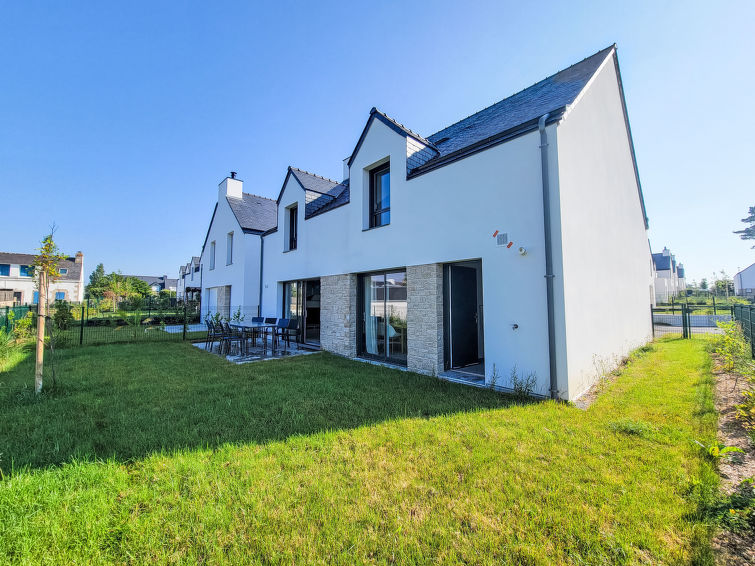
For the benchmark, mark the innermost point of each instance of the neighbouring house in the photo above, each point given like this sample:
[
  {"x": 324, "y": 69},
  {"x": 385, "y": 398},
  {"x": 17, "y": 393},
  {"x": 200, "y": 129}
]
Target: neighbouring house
[
  {"x": 744, "y": 282},
  {"x": 157, "y": 282},
  {"x": 189, "y": 285},
  {"x": 669, "y": 276},
  {"x": 18, "y": 286},
  {"x": 464, "y": 253},
  {"x": 232, "y": 250}
]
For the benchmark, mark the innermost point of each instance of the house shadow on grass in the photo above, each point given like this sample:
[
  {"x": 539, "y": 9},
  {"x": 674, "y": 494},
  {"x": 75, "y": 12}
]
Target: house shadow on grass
[{"x": 127, "y": 401}]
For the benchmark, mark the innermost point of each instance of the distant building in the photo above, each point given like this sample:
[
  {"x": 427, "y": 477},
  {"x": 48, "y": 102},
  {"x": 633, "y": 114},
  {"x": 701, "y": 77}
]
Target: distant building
[
  {"x": 189, "y": 280},
  {"x": 669, "y": 276},
  {"x": 744, "y": 282},
  {"x": 158, "y": 283},
  {"x": 18, "y": 285}
]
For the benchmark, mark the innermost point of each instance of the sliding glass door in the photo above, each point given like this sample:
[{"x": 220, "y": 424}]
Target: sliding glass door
[
  {"x": 383, "y": 316},
  {"x": 301, "y": 301}
]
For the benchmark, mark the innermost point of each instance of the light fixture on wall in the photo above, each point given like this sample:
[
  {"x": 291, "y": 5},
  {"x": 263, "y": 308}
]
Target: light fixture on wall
[{"x": 522, "y": 251}]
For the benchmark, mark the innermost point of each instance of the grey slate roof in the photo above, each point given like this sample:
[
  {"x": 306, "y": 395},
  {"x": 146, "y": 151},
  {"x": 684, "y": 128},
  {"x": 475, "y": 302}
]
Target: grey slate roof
[
  {"x": 320, "y": 193},
  {"x": 312, "y": 182},
  {"x": 69, "y": 263},
  {"x": 254, "y": 213},
  {"x": 553, "y": 94},
  {"x": 662, "y": 262},
  {"x": 338, "y": 195}
]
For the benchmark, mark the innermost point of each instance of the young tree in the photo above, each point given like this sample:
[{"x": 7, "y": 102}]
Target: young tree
[
  {"x": 96, "y": 285},
  {"x": 749, "y": 232},
  {"x": 704, "y": 284},
  {"x": 45, "y": 271}
]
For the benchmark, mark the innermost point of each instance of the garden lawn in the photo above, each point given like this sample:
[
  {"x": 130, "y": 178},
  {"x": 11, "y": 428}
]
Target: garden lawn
[{"x": 161, "y": 452}]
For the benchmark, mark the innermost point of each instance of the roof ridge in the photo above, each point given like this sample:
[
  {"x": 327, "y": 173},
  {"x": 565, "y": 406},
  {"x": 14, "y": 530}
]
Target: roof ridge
[
  {"x": 400, "y": 125},
  {"x": 256, "y": 196},
  {"x": 313, "y": 175},
  {"x": 612, "y": 46}
]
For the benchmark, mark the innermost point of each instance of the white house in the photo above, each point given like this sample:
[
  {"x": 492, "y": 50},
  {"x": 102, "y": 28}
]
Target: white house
[
  {"x": 158, "y": 282},
  {"x": 18, "y": 286},
  {"x": 189, "y": 283},
  {"x": 231, "y": 254},
  {"x": 744, "y": 282},
  {"x": 669, "y": 276},
  {"x": 463, "y": 253}
]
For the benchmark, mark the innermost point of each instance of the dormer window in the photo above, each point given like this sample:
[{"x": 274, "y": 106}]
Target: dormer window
[
  {"x": 292, "y": 227},
  {"x": 380, "y": 196},
  {"x": 63, "y": 271}
]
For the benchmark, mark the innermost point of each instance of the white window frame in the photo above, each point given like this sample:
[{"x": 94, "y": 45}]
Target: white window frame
[{"x": 229, "y": 248}]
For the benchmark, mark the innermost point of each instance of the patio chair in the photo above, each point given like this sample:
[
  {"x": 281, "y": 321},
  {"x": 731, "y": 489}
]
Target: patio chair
[
  {"x": 229, "y": 337},
  {"x": 291, "y": 329},
  {"x": 278, "y": 331},
  {"x": 269, "y": 320},
  {"x": 209, "y": 340},
  {"x": 256, "y": 332}
]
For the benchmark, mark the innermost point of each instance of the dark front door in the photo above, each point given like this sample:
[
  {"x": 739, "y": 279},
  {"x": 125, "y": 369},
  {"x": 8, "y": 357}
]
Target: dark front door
[
  {"x": 463, "y": 282},
  {"x": 312, "y": 311}
]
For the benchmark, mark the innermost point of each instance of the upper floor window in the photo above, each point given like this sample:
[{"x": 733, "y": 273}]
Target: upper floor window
[
  {"x": 26, "y": 270},
  {"x": 212, "y": 255},
  {"x": 293, "y": 228},
  {"x": 4, "y": 270},
  {"x": 229, "y": 248},
  {"x": 380, "y": 196},
  {"x": 63, "y": 271},
  {"x": 60, "y": 295}
]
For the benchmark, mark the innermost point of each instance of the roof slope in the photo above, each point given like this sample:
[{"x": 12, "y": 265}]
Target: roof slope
[
  {"x": 69, "y": 263},
  {"x": 254, "y": 213},
  {"x": 551, "y": 95},
  {"x": 662, "y": 262}
]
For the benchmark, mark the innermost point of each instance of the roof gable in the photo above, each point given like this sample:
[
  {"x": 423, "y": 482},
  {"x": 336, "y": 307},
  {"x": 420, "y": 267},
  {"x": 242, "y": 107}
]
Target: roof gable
[
  {"x": 255, "y": 214},
  {"x": 397, "y": 127}
]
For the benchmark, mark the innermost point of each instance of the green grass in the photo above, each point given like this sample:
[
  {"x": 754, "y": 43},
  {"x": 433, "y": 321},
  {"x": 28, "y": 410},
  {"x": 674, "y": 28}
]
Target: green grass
[
  {"x": 160, "y": 453},
  {"x": 106, "y": 334}
]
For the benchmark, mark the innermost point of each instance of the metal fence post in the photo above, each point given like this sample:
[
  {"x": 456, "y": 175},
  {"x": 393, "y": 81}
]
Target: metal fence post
[
  {"x": 685, "y": 322},
  {"x": 714, "y": 305},
  {"x": 7, "y": 322},
  {"x": 184, "y": 329},
  {"x": 81, "y": 331},
  {"x": 652, "y": 322}
]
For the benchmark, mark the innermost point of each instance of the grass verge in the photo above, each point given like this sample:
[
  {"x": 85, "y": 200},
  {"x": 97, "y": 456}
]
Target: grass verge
[{"x": 158, "y": 452}]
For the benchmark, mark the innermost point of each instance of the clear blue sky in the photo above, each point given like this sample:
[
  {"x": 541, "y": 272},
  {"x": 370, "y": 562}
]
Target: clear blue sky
[{"x": 118, "y": 120}]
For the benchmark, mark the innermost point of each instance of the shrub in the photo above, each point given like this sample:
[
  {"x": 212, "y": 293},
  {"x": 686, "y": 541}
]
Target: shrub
[{"x": 63, "y": 315}]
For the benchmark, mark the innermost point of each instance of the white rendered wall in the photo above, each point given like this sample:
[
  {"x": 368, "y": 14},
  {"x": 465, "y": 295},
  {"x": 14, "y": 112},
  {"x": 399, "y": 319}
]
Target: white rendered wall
[
  {"x": 235, "y": 274},
  {"x": 446, "y": 215},
  {"x": 745, "y": 279},
  {"x": 602, "y": 231},
  {"x": 74, "y": 290}
]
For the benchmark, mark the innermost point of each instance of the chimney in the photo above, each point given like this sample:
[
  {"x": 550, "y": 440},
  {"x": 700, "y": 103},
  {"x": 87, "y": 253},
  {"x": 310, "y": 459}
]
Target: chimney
[
  {"x": 346, "y": 167},
  {"x": 230, "y": 187},
  {"x": 666, "y": 251},
  {"x": 79, "y": 257}
]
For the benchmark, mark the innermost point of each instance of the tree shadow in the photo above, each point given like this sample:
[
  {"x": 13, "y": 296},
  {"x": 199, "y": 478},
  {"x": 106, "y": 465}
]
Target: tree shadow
[{"x": 128, "y": 401}]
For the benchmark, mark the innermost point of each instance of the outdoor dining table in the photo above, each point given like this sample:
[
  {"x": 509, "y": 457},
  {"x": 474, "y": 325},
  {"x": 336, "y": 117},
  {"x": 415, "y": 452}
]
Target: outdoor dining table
[{"x": 263, "y": 326}]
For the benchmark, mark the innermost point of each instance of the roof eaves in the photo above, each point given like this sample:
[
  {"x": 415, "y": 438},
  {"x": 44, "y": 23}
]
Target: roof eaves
[
  {"x": 631, "y": 141},
  {"x": 208, "y": 227},
  {"x": 492, "y": 141}
]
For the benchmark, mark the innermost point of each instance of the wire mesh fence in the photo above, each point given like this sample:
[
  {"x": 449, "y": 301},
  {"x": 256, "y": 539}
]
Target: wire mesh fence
[
  {"x": 83, "y": 324},
  {"x": 745, "y": 316},
  {"x": 687, "y": 320}
]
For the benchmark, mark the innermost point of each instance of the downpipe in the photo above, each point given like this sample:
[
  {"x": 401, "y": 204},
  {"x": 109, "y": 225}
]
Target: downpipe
[{"x": 548, "y": 255}]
